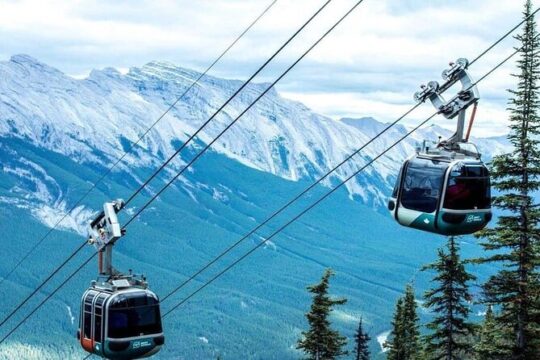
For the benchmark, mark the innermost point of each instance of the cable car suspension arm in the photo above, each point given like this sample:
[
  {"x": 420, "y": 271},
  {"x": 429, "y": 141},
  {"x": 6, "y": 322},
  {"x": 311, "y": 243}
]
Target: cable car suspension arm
[
  {"x": 457, "y": 105},
  {"x": 104, "y": 230}
]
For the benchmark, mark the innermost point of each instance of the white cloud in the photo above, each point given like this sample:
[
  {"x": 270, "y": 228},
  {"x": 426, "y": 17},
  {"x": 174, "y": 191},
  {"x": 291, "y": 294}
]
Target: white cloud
[{"x": 370, "y": 66}]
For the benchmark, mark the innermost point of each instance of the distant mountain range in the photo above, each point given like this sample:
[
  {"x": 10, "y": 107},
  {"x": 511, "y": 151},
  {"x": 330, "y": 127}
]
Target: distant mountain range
[{"x": 59, "y": 134}]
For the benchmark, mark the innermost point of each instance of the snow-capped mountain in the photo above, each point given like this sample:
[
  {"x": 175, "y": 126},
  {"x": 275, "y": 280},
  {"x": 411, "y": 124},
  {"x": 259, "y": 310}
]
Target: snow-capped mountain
[{"x": 93, "y": 120}]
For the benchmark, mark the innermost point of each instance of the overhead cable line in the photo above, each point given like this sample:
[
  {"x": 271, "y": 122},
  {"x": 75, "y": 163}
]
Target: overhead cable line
[
  {"x": 176, "y": 153},
  {"x": 321, "y": 199},
  {"x": 133, "y": 145}
]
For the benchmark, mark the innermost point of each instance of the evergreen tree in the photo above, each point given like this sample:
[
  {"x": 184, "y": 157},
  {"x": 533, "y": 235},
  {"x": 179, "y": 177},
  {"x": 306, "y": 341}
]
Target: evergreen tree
[
  {"x": 450, "y": 330},
  {"x": 490, "y": 344},
  {"x": 362, "y": 341},
  {"x": 395, "y": 340},
  {"x": 516, "y": 236},
  {"x": 321, "y": 342},
  {"x": 411, "y": 327},
  {"x": 403, "y": 341}
]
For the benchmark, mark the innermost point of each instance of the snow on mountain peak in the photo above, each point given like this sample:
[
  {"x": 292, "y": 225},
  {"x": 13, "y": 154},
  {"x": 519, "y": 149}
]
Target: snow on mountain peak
[
  {"x": 27, "y": 60},
  {"x": 32, "y": 66},
  {"x": 163, "y": 70},
  {"x": 103, "y": 111}
]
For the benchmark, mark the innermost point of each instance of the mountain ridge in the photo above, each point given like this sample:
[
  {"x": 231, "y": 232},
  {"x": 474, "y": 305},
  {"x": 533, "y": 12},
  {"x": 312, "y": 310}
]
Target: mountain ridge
[{"x": 108, "y": 111}]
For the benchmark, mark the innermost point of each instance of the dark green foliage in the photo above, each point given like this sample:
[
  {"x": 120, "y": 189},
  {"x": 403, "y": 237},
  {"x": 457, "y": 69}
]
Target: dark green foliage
[
  {"x": 361, "y": 339},
  {"x": 395, "y": 342},
  {"x": 403, "y": 343},
  {"x": 515, "y": 238},
  {"x": 491, "y": 344},
  {"x": 450, "y": 330},
  {"x": 321, "y": 342},
  {"x": 411, "y": 331}
]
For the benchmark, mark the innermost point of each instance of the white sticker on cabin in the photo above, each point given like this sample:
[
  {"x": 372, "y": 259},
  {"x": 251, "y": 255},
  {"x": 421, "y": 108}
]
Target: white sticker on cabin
[{"x": 140, "y": 344}]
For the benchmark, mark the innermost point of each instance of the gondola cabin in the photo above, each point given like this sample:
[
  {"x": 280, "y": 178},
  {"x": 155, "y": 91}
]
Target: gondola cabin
[
  {"x": 120, "y": 321},
  {"x": 443, "y": 195}
]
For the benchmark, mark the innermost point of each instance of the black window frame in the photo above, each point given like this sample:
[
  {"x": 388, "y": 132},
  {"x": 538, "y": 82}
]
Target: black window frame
[
  {"x": 476, "y": 203},
  {"x": 441, "y": 167},
  {"x": 98, "y": 325},
  {"x": 88, "y": 312},
  {"x": 87, "y": 325},
  {"x": 397, "y": 186}
]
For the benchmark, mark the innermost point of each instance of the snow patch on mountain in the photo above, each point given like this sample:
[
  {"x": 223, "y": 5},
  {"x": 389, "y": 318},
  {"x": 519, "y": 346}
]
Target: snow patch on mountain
[
  {"x": 51, "y": 216},
  {"x": 270, "y": 245},
  {"x": 345, "y": 316},
  {"x": 42, "y": 195},
  {"x": 70, "y": 315},
  {"x": 76, "y": 220},
  {"x": 381, "y": 339}
]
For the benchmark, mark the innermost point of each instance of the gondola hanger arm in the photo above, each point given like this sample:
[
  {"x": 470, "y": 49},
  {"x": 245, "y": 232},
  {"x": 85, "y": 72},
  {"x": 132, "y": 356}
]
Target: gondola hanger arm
[{"x": 104, "y": 231}]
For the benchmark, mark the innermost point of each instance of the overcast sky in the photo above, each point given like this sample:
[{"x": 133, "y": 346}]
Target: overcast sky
[{"x": 369, "y": 66}]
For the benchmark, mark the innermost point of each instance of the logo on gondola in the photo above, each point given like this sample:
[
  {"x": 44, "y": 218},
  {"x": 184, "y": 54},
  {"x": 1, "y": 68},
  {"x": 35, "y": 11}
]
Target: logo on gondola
[
  {"x": 473, "y": 218},
  {"x": 140, "y": 344}
]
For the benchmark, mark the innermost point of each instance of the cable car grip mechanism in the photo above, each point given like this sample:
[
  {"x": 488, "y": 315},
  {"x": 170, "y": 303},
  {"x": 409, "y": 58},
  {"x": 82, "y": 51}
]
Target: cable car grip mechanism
[
  {"x": 104, "y": 231},
  {"x": 457, "y": 106}
]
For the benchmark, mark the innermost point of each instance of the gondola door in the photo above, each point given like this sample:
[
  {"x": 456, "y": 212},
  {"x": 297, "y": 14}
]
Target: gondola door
[
  {"x": 92, "y": 321},
  {"x": 86, "y": 331}
]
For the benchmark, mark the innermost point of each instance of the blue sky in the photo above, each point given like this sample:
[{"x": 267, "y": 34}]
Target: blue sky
[{"x": 370, "y": 66}]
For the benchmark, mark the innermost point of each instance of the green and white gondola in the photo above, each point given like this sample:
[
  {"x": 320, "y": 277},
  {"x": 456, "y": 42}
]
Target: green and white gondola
[{"x": 443, "y": 195}]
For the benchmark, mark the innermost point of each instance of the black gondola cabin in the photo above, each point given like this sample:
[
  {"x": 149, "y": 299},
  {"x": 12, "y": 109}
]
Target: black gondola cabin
[{"x": 120, "y": 321}]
